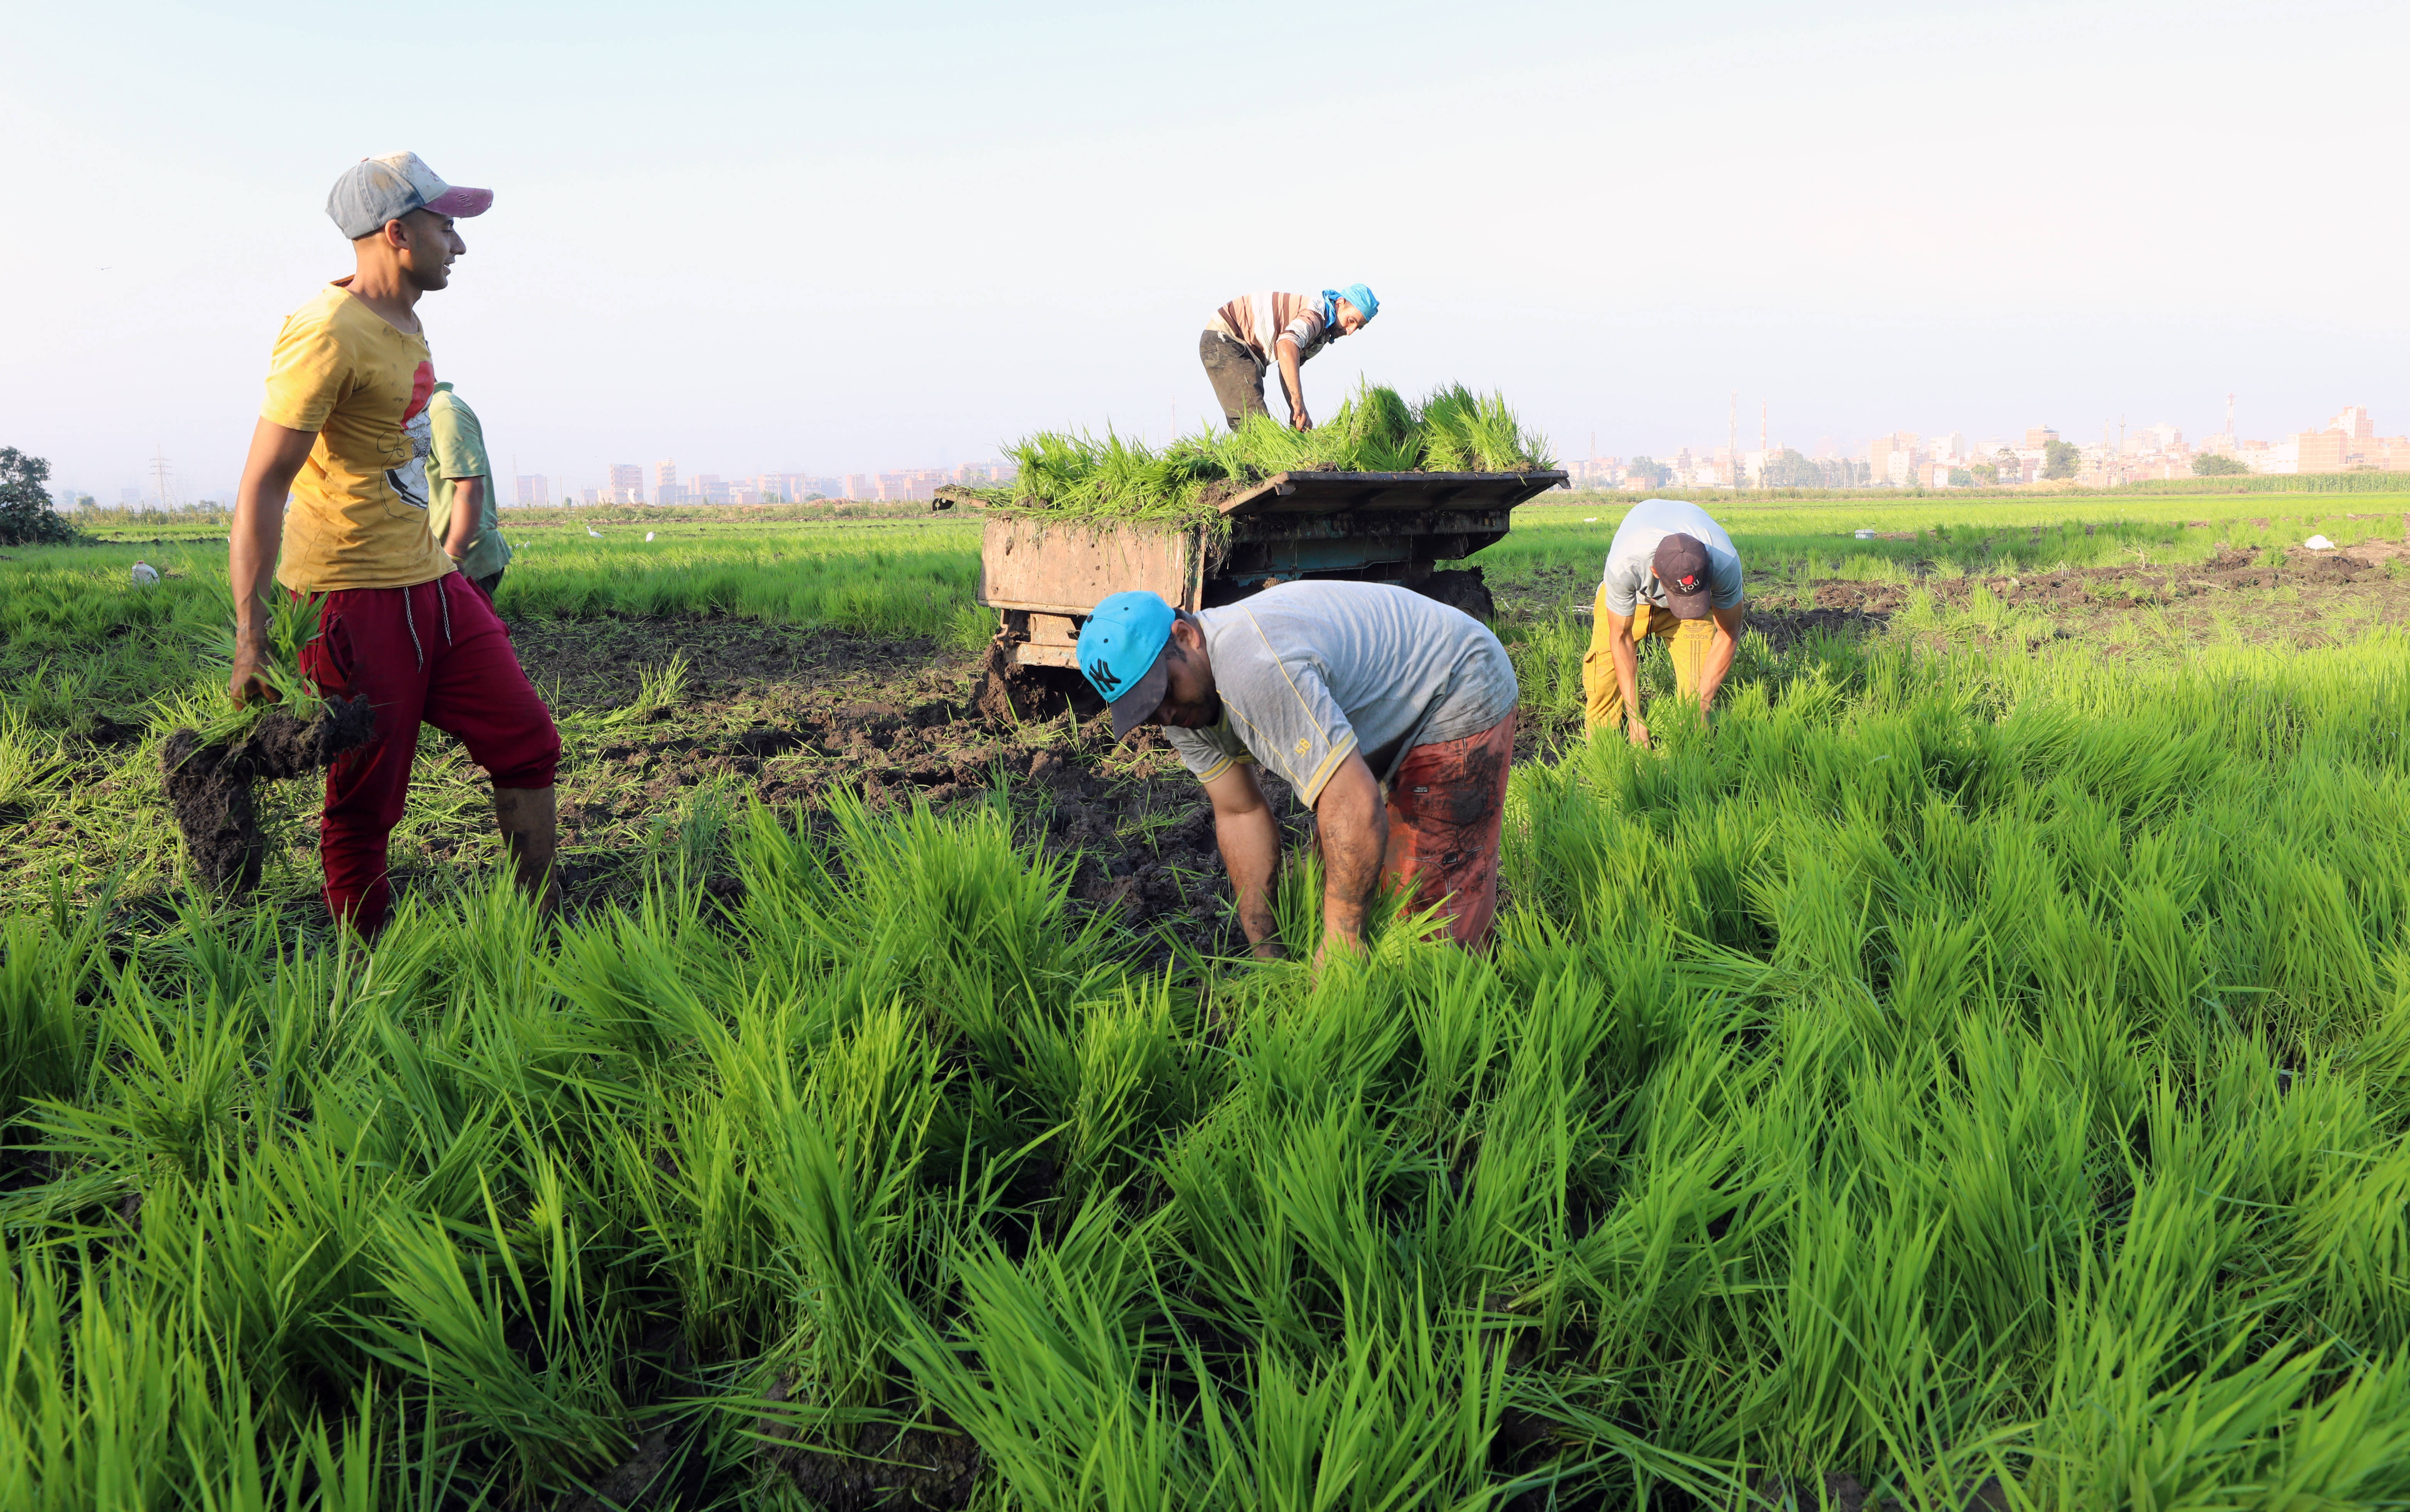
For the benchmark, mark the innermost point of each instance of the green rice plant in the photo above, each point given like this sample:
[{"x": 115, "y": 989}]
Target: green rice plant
[
  {"x": 1955, "y": 1064},
  {"x": 1082, "y": 477},
  {"x": 293, "y": 623},
  {"x": 32, "y": 763}
]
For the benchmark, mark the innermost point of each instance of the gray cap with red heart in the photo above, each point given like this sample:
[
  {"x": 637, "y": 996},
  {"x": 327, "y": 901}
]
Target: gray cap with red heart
[{"x": 376, "y": 190}]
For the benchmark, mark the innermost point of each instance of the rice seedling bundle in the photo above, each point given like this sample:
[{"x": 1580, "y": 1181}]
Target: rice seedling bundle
[
  {"x": 1078, "y": 477},
  {"x": 289, "y": 732}
]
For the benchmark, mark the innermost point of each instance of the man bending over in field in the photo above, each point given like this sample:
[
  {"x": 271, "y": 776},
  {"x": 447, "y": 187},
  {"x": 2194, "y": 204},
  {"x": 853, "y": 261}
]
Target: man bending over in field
[
  {"x": 1673, "y": 573},
  {"x": 346, "y": 431},
  {"x": 1339, "y": 688},
  {"x": 1254, "y": 331}
]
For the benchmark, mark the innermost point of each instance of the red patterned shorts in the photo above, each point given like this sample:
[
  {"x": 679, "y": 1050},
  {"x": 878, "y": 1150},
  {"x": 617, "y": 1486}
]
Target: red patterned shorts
[{"x": 1447, "y": 803}]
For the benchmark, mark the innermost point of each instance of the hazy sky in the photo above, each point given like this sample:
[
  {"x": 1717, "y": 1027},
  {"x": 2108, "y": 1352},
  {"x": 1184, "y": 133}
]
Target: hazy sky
[{"x": 842, "y": 239}]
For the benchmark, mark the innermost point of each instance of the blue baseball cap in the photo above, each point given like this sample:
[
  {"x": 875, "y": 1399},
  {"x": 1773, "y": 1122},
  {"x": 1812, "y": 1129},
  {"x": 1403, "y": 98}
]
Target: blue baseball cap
[{"x": 1121, "y": 654}]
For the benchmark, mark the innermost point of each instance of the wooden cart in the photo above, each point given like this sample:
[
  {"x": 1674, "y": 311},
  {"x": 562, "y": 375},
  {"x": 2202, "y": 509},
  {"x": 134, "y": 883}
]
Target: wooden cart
[{"x": 1044, "y": 575}]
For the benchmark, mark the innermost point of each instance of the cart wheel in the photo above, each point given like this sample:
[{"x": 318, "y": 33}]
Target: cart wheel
[
  {"x": 1461, "y": 588},
  {"x": 1010, "y": 692}
]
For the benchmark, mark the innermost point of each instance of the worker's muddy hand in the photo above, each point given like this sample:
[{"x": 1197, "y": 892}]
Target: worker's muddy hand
[
  {"x": 1300, "y": 420},
  {"x": 1639, "y": 731},
  {"x": 247, "y": 686}
]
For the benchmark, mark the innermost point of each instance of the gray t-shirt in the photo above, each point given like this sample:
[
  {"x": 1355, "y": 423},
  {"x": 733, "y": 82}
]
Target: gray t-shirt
[
  {"x": 1309, "y": 672},
  {"x": 1631, "y": 573}
]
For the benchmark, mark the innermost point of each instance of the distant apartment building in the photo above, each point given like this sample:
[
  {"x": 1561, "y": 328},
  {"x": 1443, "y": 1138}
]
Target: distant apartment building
[
  {"x": 2037, "y": 438},
  {"x": 1893, "y": 458},
  {"x": 858, "y": 485},
  {"x": 531, "y": 491},
  {"x": 627, "y": 484},
  {"x": 2349, "y": 442}
]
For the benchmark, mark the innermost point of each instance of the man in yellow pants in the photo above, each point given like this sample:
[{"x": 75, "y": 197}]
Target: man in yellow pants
[{"x": 1672, "y": 573}]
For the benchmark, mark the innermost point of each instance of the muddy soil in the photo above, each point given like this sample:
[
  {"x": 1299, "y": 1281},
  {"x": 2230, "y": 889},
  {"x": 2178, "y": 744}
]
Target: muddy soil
[
  {"x": 793, "y": 716},
  {"x": 602, "y": 664},
  {"x": 1840, "y": 1491},
  {"x": 1553, "y": 591},
  {"x": 2358, "y": 572},
  {"x": 2321, "y": 578},
  {"x": 209, "y": 787},
  {"x": 888, "y": 1466}
]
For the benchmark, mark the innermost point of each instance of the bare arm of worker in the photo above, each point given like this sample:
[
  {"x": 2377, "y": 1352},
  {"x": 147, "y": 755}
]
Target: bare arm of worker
[
  {"x": 1720, "y": 653},
  {"x": 467, "y": 508},
  {"x": 1355, "y": 828},
  {"x": 1626, "y": 657},
  {"x": 1249, "y": 836},
  {"x": 1285, "y": 348},
  {"x": 277, "y": 453}
]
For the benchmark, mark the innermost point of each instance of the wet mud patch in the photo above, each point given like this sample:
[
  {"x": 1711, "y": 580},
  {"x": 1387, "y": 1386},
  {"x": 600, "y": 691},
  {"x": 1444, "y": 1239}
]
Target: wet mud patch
[
  {"x": 210, "y": 785},
  {"x": 890, "y": 1465},
  {"x": 603, "y": 662},
  {"x": 792, "y": 716},
  {"x": 2358, "y": 581},
  {"x": 2359, "y": 577},
  {"x": 1786, "y": 628}
]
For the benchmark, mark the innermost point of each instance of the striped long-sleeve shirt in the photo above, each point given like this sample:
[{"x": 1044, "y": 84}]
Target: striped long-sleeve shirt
[{"x": 1258, "y": 321}]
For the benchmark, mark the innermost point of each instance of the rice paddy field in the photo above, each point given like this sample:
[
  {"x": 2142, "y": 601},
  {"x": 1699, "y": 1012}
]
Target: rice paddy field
[{"x": 1972, "y": 1072}]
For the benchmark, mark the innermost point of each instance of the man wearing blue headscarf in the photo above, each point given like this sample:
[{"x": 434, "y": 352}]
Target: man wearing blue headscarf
[{"x": 1254, "y": 331}]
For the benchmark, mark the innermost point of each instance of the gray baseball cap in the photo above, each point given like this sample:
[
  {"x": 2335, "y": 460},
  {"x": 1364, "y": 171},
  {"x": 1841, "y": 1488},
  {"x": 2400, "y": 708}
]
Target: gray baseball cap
[{"x": 376, "y": 190}]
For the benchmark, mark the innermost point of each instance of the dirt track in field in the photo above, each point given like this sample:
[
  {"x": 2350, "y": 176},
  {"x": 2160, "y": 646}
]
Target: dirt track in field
[
  {"x": 2302, "y": 601},
  {"x": 790, "y": 714}
]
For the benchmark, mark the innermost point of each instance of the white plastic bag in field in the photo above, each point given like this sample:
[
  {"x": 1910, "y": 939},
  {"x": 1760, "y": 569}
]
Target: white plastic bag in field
[
  {"x": 145, "y": 576},
  {"x": 2319, "y": 543}
]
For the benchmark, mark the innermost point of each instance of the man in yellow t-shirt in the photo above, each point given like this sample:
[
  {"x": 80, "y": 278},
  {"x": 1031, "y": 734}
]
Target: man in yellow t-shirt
[{"x": 344, "y": 431}]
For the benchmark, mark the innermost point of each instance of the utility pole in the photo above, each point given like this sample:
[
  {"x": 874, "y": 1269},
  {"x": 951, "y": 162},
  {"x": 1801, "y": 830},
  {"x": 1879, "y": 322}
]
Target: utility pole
[
  {"x": 1763, "y": 458},
  {"x": 159, "y": 474},
  {"x": 2230, "y": 415}
]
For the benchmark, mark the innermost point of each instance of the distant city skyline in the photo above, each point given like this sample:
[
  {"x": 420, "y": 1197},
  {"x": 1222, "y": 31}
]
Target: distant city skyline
[
  {"x": 954, "y": 225},
  {"x": 2124, "y": 451}
]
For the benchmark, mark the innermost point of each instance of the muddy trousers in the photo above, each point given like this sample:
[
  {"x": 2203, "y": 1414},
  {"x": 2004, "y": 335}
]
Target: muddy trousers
[
  {"x": 1687, "y": 639},
  {"x": 1447, "y": 803},
  {"x": 1237, "y": 375},
  {"x": 434, "y": 653}
]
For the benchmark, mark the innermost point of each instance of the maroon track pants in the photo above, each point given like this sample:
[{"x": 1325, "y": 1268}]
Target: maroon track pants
[{"x": 434, "y": 653}]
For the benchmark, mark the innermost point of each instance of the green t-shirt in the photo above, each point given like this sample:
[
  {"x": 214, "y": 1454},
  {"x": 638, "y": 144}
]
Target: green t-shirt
[{"x": 459, "y": 453}]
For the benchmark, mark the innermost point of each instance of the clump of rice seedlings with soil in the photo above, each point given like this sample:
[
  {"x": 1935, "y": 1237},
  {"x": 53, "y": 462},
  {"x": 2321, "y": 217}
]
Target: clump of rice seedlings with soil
[
  {"x": 1078, "y": 476},
  {"x": 290, "y": 732}
]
